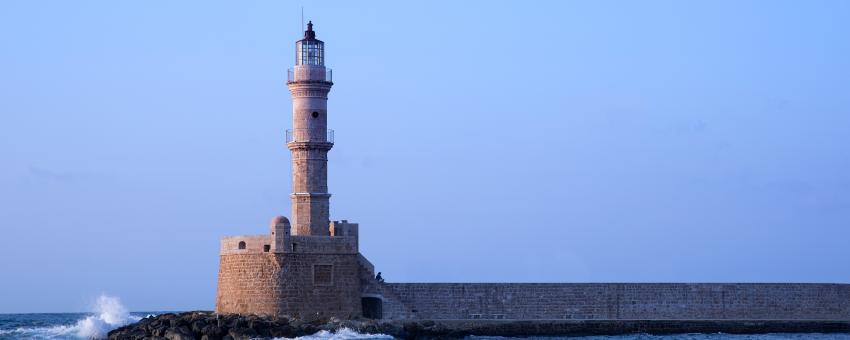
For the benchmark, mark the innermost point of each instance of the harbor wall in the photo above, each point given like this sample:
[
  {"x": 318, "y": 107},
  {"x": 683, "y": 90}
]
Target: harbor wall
[{"x": 616, "y": 301}]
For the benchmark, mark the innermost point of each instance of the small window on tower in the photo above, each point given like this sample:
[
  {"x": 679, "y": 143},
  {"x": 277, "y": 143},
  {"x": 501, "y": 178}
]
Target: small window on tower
[
  {"x": 266, "y": 248},
  {"x": 323, "y": 274},
  {"x": 241, "y": 244},
  {"x": 315, "y": 114}
]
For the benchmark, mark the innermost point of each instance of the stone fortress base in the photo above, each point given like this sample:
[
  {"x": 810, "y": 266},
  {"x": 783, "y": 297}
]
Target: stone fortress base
[
  {"x": 326, "y": 276},
  {"x": 285, "y": 274}
]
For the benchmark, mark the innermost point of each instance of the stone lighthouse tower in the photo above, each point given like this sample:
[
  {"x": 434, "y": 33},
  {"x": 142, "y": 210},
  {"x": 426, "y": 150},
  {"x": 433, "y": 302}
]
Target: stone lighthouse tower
[
  {"x": 309, "y": 140},
  {"x": 308, "y": 266}
]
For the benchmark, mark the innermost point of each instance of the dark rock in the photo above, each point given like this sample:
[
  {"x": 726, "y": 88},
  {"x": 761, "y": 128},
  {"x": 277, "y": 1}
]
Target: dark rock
[
  {"x": 236, "y": 322},
  {"x": 212, "y": 331},
  {"x": 177, "y": 322},
  {"x": 282, "y": 331},
  {"x": 159, "y": 330},
  {"x": 242, "y": 333},
  {"x": 308, "y": 329},
  {"x": 179, "y": 333},
  {"x": 211, "y": 326},
  {"x": 198, "y": 325}
]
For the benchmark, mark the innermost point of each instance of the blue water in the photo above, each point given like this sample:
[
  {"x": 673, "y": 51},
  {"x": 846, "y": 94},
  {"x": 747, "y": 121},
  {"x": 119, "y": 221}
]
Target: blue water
[
  {"x": 62, "y": 325},
  {"x": 95, "y": 325}
]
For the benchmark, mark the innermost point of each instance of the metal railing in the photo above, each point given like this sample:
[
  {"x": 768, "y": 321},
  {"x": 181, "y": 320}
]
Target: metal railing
[
  {"x": 309, "y": 135},
  {"x": 309, "y": 75}
]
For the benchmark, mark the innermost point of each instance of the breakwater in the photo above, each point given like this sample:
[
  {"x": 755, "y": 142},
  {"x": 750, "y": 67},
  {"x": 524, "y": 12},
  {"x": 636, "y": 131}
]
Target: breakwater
[
  {"x": 208, "y": 325},
  {"x": 614, "y": 301}
]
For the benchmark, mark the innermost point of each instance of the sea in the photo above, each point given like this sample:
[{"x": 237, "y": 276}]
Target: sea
[{"x": 109, "y": 314}]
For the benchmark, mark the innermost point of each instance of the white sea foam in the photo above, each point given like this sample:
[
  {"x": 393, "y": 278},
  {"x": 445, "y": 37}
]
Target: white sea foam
[
  {"x": 108, "y": 314},
  {"x": 55, "y": 332},
  {"x": 342, "y": 334}
]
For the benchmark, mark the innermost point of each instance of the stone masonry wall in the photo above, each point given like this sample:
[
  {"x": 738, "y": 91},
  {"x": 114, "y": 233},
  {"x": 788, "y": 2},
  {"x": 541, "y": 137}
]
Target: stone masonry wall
[
  {"x": 249, "y": 284},
  {"x": 654, "y": 301},
  {"x": 303, "y": 244},
  {"x": 302, "y": 296},
  {"x": 253, "y": 244},
  {"x": 325, "y": 244},
  {"x": 296, "y": 284}
]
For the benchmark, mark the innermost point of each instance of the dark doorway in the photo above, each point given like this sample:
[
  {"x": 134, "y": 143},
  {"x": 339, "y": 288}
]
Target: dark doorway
[{"x": 372, "y": 307}]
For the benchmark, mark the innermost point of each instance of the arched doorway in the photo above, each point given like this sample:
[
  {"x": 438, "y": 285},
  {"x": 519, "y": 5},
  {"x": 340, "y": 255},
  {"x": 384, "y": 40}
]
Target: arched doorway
[{"x": 372, "y": 307}]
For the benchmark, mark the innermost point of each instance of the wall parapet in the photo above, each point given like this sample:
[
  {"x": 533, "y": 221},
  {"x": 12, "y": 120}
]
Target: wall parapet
[
  {"x": 253, "y": 244},
  {"x": 343, "y": 239}
]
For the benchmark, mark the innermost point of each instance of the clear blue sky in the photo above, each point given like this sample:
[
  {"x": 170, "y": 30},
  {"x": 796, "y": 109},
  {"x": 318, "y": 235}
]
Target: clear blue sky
[{"x": 475, "y": 141}]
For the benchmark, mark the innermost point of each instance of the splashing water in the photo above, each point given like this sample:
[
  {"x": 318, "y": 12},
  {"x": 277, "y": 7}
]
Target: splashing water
[
  {"x": 108, "y": 313},
  {"x": 342, "y": 334}
]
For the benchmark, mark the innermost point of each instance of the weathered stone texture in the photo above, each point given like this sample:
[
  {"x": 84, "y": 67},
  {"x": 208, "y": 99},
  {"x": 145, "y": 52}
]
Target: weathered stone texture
[
  {"x": 325, "y": 244},
  {"x": 310, "y": 213},
  {"x": 249, "y": 284},
  {"x": 309, "y": 147},
  {"x": 286, "y": 284},
  {"x": 302, "y": 296},
  {"x": 253, "y": 244},
  {"x": 310, "y": 170},
  {"x": 646, "y": 301},
  {"x": 320, "y": 276}
]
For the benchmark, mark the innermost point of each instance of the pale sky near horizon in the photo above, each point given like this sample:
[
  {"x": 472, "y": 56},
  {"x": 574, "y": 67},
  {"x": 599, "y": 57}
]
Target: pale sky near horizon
[{"x": 562, "y": 141}]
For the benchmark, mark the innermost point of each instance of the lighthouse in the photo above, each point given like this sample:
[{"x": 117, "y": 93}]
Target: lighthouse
[
  {"x": 306, "y": 266},
  {"x": 309, "y": 140}
]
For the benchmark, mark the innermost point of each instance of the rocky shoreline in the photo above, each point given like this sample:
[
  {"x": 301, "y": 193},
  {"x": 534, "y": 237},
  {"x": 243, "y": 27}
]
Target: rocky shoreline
[{"x": 211, "y": 326}]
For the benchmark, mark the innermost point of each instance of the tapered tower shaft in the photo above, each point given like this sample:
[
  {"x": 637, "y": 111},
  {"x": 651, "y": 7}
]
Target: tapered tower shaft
[{"x": 309, "y": 140}]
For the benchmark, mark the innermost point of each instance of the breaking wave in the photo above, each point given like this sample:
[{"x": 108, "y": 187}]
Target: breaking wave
[
  {"x": 341, "y": 334},
  {"x": 108, "y": 313}
]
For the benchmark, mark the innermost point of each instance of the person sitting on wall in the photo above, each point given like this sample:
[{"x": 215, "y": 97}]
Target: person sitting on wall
[{"x": 379, "y": 278}]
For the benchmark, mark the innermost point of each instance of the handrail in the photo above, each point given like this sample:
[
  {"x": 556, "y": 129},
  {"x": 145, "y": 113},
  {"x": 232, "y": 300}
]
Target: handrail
[
  {"x": 307, "y": 74},
  {"x": 309, "y": 135}
]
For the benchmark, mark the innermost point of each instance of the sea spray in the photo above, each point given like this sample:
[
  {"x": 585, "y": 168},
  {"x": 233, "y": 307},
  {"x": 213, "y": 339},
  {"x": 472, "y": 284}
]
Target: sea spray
[
  {"x": 107, "y": 313},
  {"x": 341, "y": 334}
]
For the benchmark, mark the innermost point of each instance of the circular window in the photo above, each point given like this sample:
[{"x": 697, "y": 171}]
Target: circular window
[{"x": 315, "y": 114}]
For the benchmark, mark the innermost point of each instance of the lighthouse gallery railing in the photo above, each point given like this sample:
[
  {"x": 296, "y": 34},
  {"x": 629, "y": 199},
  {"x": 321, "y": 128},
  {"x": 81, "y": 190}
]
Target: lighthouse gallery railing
[
  {"x": 310, "y": 74},
  {"x": 309, "y": 135}
]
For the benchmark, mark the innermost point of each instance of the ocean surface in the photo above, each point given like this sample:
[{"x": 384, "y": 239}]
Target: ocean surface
[{"x": 109, "y": 314}]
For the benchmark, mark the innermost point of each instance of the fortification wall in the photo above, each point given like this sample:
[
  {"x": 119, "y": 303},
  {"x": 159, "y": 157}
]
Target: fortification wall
[
  {"x": 249, "y": 283},
  {"x": 324, "y": 244},
  {"x": 252, "y": 243},
  {"x": 306, "y": 285},
  {"x": 317, "y": 285},
  {"x": 245, "y": 244},
  {"x": 624, "y": 301}
]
